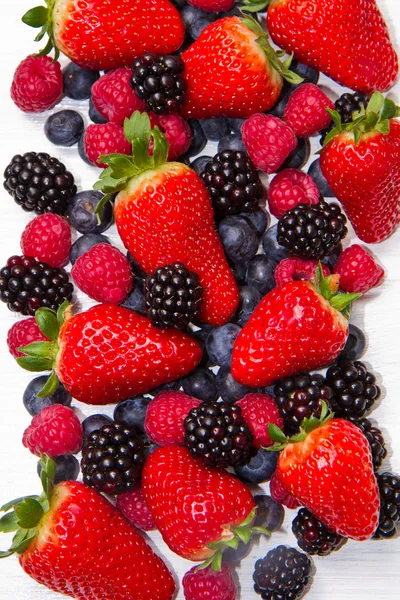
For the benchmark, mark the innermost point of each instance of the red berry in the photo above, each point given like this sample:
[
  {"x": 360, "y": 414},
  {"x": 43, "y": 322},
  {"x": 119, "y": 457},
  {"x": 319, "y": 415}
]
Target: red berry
[
  {"x": 212, "y": 5},
  {"x": 297, "y": 269},
  {"x": 103, "y": 273},
  {"x": 258, "y": 410},
  {"x": 176, "y": 131},
  {"x": 134, "y": 508},
  {"x": 105, "y": 139},
  {"x": 47, "y": 238},
  {"x": 306, "y": 110},
  {"x": 279, "y": 493},
  {"x": 207, "y": 584},
  {"x": 23, "y": 333},
  {"x": 165, "y": 416},
  {"x": 56, "y": 430},
  {"x": 290, "y": 188},
  {"x": 268, "y": 140},
  {"x": 37, "y": 84},
  {"x": 358, "y": 270},
  {"x": 113, "y": 97}
]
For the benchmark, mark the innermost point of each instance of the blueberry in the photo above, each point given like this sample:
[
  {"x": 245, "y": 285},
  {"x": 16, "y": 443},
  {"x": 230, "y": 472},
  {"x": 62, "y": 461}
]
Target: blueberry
[
  {"x": 234, "y": 556},
  {"x": 239, "y": 238},
  {"x": 78, "y": 82},
  {"x": 235, "y": 124},
  {"x": 135, "y": 301},
  {"x": 249, "y": 298},
  {"x": 171, "y": 385},
  {"x": 196, "y": 20},
  {"x": 94, "y": 114},
  {"x": 231, "y": 141},
  {"x": 132, "y": 412},
  {"x": 94, "y": 422},
  {"x": 201, "y": 384},
  {"x": 136, "y": 268},
  {"x": 81, "y": 150},
  {"x": 67, "y": 468},
  {"x": 333, "y": 257},
  {"x": 259, "y": 219},
  {"x": 356, "y": 344},
  {"x": 271, "y": 246},
  {"x": 214, "y": 129},
  {"x": 219, "y": 344},
  {"x": 239, "y": 270},
  {"x": 269, "y": 514},
  {"x": 261, "y": 467},
  {"x": 148, "y": 445},
  {"x": 84, "y": 243},
  {"x": 260, "y": 273},
  {"x": 201, "y": 336},
  {"x": 180, "y": 4},
  {"x": 198, "y": 142},
  {"x": 81, "y": 212},
  {"x": 229, "y": 389},
  {"x": 299, "y": 156},
  {"x": 280, "y": 106},
  {"x": 199, "y": 163},
  {"x": 64, "y": 128},
  {"x": 315, "y": 172},
  {"x": 307, "y": 73},
  {"x": 34, "y": 405}
]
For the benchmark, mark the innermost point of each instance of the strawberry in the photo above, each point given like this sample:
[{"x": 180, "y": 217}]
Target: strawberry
[
  {"x": 296, "y": 327},
  {"x": 108, "y": 353},
  {"x": 328, "y": 468},
  {"x": 74, "y": 541},
  {"x": 97, "y": 36},
  {"x": 361, "y": 161},
  {"x": 349, "y": 42},
  {"x": 164, "y": 215},
  {"x": 232, "y": 71}
]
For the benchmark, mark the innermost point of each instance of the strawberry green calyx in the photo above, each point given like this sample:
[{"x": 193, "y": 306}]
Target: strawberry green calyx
[
  {"x": 255, "y": 5},
  {"x": 328, "y": 287},
  {"x": 42, "y": 16}
]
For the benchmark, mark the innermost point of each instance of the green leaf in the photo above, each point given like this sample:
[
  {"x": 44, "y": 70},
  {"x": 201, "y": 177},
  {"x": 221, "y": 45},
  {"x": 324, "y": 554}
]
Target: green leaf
[
  {"x": 291, "y": 77},
  {"x": 99, "y": 208},
  {"x": 35, "y": 17},
  {"x": 383, "y": 127},
  {"x": 47, "y": 49},
  {"x": 261, "y": 531},
  {"x": 243, "y": 534},
  {"x": 8, "y": 522},
  {"x": 29, "y": 513},
  {"x": 138, "y": 126},
  {"x": 370, "y": 121},
  {"x": 5, "y": 553},
  {"x": 216, "y": 563},
  {"x": 38, "y": 349},
  {"x": 161, "y": 146},
  {"x": 47, "y": 322},
  {"x": 375, "y": 104},
  {"x": 342, "y": 301},
  {"x": 22, "y": 539},
  {"x": 41, "y": 34},
  {"x": 357, "y": 135},
  {"x": 233, "y": 543},
  {"x": 389, "y": 110},
  {"x": 255, "y": 5},
  {"x": 276, "y": 434},
  {"x": 249, "y": 519},
  {"x": 122, "y": 166},
  {"x": 47, "y": 474},
  {"x": 205, "y": 564},
  {"x": 49, "y": 387},
  {"x": 332, "y": 134},
  {"x": 33, "y": 364},
  {"x": 14, "y": 502},
  {"x": 336, "y": 118},
  {"x": 60, "y": 313}
]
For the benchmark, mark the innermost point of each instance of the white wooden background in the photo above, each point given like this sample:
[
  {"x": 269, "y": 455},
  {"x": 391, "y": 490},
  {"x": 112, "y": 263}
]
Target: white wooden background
[{"x": 367, "y": 571}]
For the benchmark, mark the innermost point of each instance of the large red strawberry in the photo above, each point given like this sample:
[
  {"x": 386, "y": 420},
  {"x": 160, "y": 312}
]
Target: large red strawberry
[
  {"x": 164, "y": 215},
  {"x": 101, "y": 35},
  {"x": 348, "y": 41},
  {"x": 73, "y": 541},
  {"x": 361, "y": 162},
  {"x": 232, "y": 71},
  {"x": 108, "y": 353},
  {"x": 296, "y": 327}
]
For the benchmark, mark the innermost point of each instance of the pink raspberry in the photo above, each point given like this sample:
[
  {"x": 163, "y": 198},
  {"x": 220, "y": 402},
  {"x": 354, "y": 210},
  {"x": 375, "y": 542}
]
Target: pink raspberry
[
  {"x": 165, "y": 416},
  {"x": 37, "y": 84},
  {"x": 47, "y": 238},
  {"x": 103, "y": 273},
  {"x": 22, "y": 333},
  {"x": 297, "y": 269},
  {"x": 279, "y": 493},
  {"x": 358, "y": 270},
  {"x": 56, "y": 430},
  {"x": 176, "y": 131},
  {"x": 290, "y": 188},
  {"x": 134, "y": 508},
  {"x": 258, "y": 411},
  {"x": 105, "y": 139},
  {"x": 306, "y": 110},
  {"x": 212, "y": 5},
  {"x": 113, "y": 97},
  {"x": 207, "y": 584},
  {"x": 268, "y": 140}
]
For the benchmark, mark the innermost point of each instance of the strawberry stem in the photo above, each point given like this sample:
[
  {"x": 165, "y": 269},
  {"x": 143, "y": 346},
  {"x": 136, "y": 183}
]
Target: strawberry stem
[
  {"x": 307, "y": 426},
  {"x": 328, "y": 287}
]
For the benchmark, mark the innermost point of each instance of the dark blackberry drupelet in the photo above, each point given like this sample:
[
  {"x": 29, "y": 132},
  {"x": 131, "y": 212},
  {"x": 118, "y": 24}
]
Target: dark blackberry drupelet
[
  {"x": 355, "y": 390},
  {"x": 313, "y": 536},
  {"x": 283, "y": 574},
  {"x": 158, "y": 81},
  {"x": 112, "y": 458},
  {"x": 233, "y": 183},
  {"x": 312, "y": 232},
  {"x": 39, "y": 182},
  {"x": 346, "y": 105},
  {"x": 299, "y": 397},
  {"x": 27, "y": 284},
  {"x": 375, "y": 439},
  {"x": 389, "y": 516},
  {"x": 173, "y": 296},
  {"x": 218, "y": 434}
]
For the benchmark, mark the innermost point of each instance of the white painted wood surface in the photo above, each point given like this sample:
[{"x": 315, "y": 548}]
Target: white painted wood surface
[{"x": 360, "y": 571}]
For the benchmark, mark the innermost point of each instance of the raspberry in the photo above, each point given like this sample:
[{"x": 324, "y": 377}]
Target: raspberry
[
  {"x": 358, "y": 270},
  {"x": 297, "y": 269},
  {"x": 177, "y": 132},
  {"x": 37, "y": 84},
  {"x": 22, "y": 333},
  {"x": 206, "y": 584},
  {"x": 290, "y": 188},
  {"x": 113, "y": 97},
  {"x": 165, "y": 416},
  {"x": 134, "y": 508},
  {"x": 279, "y": 493},
  {"x": 56, "y": 430},
  {"x": 105, "y": 139},
  {"x": 103, "y": 273},
  {"x": 47, "y": 238},
  {"x": 212, "y": 5},
  {"x": 306, "y": 110},
  {"x": 258, "y": 410},
  {"x": 268, "y": 140}
]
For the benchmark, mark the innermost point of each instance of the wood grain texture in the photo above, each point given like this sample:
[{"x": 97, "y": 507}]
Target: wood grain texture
[{"x": 360, "y": 571}]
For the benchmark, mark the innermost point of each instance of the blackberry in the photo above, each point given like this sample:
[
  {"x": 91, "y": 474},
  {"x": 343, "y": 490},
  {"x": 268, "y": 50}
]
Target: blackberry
[
  {"x": 312, "y": 232},
  {"x": 346, "y": 105},
  {"x": 313, "y": 536},
  {"x": 219, "y": 435},
  {"x": 27, "y": 284},
  {"x": 355, "y": 390},
  {"x": 389, "y": 516},
  {"x": 173, "y": 296},
  {"x": 299, "y": 397},
  {"x": 233, "y": 183},
  {"x": 112, "y": 458},
  {"x": 39, "y": 182},
  {"x": 158, "y": 81},
  {"x": 375, "y": 440},
  {"x": 283, "y": 574}
]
